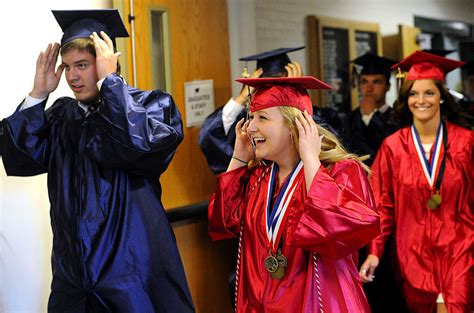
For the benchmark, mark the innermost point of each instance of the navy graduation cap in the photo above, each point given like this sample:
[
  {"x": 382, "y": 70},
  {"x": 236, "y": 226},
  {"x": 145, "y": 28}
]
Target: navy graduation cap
[
  {"x": 82, "y": 23},
  {"x": 466, "y": 49},
  {"x": 468, "y": 69},
  {"x": 374, "y": 64},
  {"x": 272, "y": 62}
]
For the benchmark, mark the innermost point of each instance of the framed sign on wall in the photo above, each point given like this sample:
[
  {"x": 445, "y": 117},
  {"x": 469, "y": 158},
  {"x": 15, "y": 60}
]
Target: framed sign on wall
[{"x": 332, "y": 44}]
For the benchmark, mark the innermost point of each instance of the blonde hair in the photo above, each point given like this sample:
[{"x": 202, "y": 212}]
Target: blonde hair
[
  {"x": 332, "y": 150},
  {"x": 81, "y": 44}
]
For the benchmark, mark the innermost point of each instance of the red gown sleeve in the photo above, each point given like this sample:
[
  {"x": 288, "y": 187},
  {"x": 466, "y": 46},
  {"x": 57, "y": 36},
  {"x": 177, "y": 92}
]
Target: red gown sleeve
[
  {"x": 467, "y": 216},
  {"x": 338, "y": 214},
  {"x": 226, "y": 204},
  {"x": 381, "y": 182}
]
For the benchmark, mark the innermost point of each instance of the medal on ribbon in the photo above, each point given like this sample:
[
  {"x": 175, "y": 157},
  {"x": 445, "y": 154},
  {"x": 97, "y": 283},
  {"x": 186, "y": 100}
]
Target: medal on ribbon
[
  {"x": 434, "y": 201},
  {"x": 271, "y": 262},
  {"x": 282, "y": 262},
  {"x": 275, "y": 263},
  {"x": 430, "y": 169}
]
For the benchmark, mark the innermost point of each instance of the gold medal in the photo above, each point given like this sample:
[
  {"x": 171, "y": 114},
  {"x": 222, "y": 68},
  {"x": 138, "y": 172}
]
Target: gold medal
[
  {"x": 279, "y": 273},
  {"x": 276, "y": 264},
  {"x": 271, "y": 263},
  {"x": 431, "y": 204},
  {"x": 434, "y": 201},
  {"x": 282, "y": 262},
  {"x": 437, "y": 198}
]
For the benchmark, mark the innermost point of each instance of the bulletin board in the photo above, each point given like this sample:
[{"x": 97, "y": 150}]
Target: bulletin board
[{"x": 332, "y": 44}]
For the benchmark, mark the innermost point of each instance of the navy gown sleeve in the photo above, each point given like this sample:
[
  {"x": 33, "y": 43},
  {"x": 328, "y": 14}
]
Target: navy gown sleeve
[
  {"x": 329, "y": 119},
  {"x": 215, "y": 144},
  {"x": 134, "y": 130},
  {"x": 24, "y": 141}
]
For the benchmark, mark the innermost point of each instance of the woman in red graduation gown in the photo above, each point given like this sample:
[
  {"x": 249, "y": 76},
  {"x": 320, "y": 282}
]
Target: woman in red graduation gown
[
  {"x": 422, "y": 182},
  {"x": 301, "y": 213}
]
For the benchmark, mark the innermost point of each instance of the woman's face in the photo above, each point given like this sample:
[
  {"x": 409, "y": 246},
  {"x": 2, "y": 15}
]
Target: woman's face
[
  {"x": 424, "y": 100},
  {"x": 269, "y": 134}
]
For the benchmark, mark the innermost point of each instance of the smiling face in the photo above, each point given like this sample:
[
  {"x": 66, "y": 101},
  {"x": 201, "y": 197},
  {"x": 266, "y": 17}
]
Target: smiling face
[
  {"x": 270, "y": 135},
  {"x": 424, "y": 101},
  {"x": 81, "y": 74}
]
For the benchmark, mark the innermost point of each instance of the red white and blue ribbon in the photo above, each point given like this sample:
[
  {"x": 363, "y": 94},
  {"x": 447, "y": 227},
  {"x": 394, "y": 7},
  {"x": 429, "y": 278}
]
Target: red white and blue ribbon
[
  {"x": 429, "y": 168},
  {"x": 275, "y": 214}
]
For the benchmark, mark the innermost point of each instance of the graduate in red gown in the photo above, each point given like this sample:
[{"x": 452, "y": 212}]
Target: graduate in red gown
[
  {"x": 422, "y": 181},
  {"x": 300, "y": 204}
]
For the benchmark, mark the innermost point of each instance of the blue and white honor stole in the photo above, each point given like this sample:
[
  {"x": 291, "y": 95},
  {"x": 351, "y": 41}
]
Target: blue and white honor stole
[
  {"x": 275, "y": 215},
  {"x": 429, "y": 169}
]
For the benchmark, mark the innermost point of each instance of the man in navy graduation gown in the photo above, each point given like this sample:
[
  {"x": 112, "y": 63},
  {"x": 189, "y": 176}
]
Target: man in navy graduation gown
[
  {"x": 371, "y": 123},
  {"x": 367, "y": 127},
  {"x": 113, "y": 248},
  {"x": 217, "y": 134}
]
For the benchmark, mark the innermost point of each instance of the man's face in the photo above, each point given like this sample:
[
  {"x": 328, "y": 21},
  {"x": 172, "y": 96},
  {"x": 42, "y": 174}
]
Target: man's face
[
  {"x": 468, "y": 86},
  {"x": 81, "y": 75},
  {"x": 374, "y": 86}
]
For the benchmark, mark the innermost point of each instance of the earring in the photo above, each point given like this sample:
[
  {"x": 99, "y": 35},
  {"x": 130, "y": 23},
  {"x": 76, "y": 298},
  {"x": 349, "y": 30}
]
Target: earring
[{"x": 441, "y": 101}]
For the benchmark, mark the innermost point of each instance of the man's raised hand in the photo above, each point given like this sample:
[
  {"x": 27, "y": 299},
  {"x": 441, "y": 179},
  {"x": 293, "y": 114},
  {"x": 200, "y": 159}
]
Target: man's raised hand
[{"x": 47, "y": 76}]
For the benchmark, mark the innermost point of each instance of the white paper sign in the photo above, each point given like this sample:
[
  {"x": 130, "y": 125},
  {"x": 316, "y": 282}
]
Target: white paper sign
[{"x": 199, "y": 99}]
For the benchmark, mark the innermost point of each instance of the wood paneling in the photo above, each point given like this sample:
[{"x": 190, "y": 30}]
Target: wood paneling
[
  {"x": 409, "y": 39},
  {"x": 199, "y": 49},
  {"x": 392, "y": 46},
  {"x": 207, "y": 265},
  {"x": 399, "y": 46}
]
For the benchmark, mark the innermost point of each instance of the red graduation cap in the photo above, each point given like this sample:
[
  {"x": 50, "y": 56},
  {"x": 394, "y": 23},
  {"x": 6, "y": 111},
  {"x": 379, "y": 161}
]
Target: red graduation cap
[
  {"x": 423, "y": 65},
  {"x": 283, "y": 91}
]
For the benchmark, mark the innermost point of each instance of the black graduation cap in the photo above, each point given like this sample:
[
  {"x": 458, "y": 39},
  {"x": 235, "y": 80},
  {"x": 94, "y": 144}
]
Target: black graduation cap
[
  {"x": 466, "y": 51},
  {"x": 440, "y": 52},
  {"x": 468, "y": 69},
  {"x": 82, "y": 23},
  {"x": 272, "y": 62},
  {"x": 374, "y": 64}
]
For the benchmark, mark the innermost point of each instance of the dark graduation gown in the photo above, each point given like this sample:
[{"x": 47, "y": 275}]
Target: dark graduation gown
[
  {"x": 113, "y": 248},
  {"x": 383, "y": 293},
  {"x": 366, "y": 139},
  {"x": 219, "y": 147}
]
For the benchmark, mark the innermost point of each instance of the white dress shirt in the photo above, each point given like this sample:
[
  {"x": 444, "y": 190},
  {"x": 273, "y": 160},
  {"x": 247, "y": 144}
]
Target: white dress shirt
[
  {"x": 230, "y": 112},
  {"x": 367, "y": 117}
]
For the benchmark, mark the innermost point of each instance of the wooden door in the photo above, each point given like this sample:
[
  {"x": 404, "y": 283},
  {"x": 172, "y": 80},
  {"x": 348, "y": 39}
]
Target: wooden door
[
  {"x": 399, "y": 46},
  {"x": 197, "y": 46},
  {"x": 193, "y": 45},
  {"x": 408, "y": 40}
]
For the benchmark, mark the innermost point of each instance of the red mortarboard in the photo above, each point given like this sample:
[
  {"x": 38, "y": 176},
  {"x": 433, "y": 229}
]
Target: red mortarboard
[
  {"x": 283, "y": 91},
  {"x": 423, "y": 65}
]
